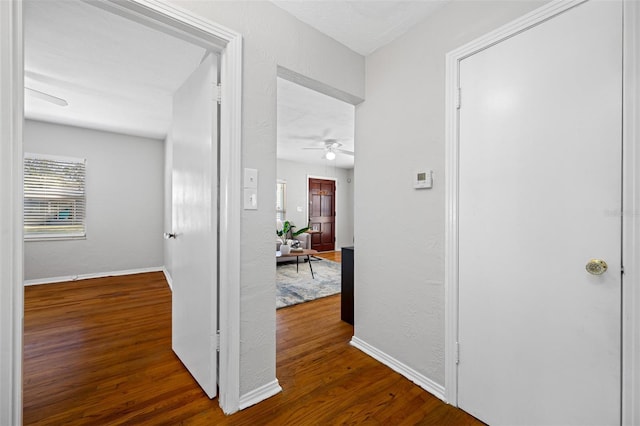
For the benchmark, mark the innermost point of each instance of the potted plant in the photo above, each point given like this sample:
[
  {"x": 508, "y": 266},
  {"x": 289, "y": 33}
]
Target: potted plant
[{"x": 283, "y": 234}]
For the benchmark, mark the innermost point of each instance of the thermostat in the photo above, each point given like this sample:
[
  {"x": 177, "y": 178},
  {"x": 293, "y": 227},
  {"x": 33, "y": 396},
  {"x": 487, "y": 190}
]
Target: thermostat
[{"x": 423, "y": 179}]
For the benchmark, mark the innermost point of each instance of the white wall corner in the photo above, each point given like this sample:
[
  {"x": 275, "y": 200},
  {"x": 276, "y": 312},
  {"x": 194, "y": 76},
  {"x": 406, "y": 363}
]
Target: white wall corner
[
  {"x": 419, "y": 379},
  {"x": 260, "y": 394},
  {"x": 451, "y": 231},
  {"x": 167, "y": 276}
]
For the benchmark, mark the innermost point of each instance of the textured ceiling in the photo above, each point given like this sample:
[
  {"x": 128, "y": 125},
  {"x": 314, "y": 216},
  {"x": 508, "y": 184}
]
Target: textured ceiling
[
  {"x": 118, "y": 75},
  {"x": 361, "y": 25},
  {"x": 306, "y": 119},
  {"x": 115, "y": 74}
]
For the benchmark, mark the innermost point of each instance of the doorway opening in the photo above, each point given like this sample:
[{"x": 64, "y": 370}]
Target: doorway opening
[
  {"x": 228, "y": 44},
  {"x": 315, "y": 144}
]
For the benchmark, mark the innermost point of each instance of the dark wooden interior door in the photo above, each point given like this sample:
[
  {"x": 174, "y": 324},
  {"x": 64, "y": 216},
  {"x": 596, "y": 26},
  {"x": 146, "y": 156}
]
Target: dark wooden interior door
[{"x": 322, "y": 214}]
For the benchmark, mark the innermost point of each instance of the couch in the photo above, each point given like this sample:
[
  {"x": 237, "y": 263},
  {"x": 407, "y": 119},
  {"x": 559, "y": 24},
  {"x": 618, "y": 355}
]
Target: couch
[{"x": 305, "y": 243}]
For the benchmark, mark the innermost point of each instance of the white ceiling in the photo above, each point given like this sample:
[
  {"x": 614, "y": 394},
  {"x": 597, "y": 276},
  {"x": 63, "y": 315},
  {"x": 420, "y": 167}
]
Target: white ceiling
[
  {"x": 116, "y": 75},
  {"x": 306, "y": 119},
  {"x": 361, "y": 25}
]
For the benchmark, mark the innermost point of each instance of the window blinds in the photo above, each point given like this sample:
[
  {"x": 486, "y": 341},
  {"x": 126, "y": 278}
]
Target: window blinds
[{"x": 54, "y": 197}]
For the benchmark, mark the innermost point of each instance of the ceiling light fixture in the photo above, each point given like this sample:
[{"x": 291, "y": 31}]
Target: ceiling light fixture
[{"x": 330, "y": 155}]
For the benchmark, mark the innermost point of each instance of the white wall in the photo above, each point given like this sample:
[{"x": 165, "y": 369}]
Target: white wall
[
  {"x": 399, "y": 309},
  {"x": 168, "y": 207},
  {"x": 124, "y": 190},
  {"x": 295, "y": 174},
  {"x": 272, "y": 38}
]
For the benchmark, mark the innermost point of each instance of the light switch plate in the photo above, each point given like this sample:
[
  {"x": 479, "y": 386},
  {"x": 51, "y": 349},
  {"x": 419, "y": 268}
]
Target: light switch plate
[
  {"x": 250, "y": 199},
  {"x": 250, "y": 178}
]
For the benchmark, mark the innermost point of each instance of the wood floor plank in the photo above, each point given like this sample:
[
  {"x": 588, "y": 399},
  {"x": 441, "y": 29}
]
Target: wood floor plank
[
  {"x": 336, "y": 256},
  {"x": 99, "y": 352}
]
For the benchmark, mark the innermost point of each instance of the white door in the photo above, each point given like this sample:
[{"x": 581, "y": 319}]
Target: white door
[
  {"x": 539, "y": 196},
  {"x": 194, "y": 219}
]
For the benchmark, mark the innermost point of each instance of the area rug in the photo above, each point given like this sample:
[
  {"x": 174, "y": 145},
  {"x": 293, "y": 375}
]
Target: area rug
[{"x": 293, "y": 288}]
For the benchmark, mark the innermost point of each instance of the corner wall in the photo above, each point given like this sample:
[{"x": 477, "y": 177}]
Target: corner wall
[
  {"x": 399, "y": 311},
  {"x": 124, "y": 190}
]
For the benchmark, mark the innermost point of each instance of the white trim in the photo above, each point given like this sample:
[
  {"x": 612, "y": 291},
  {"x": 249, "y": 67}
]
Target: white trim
[
  {"x": 11, "y": 244},
  {"x": 451, "y": 232},
  {"x": 260, "y": 394},
  {"x": 631, "y": 238},
  {"x": 60, "y": 279},
  {"x": 631, "y": 218},
  {"x": 167, "y": 276},
  {"x": 399, "y": 367},
  {"x": 60, "y": 158},
  {"x": 230, "y": 216}
]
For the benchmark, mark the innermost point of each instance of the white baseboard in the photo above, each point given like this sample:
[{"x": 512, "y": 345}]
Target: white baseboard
[
  {"x": 260, "y": 394},
  {"x": 167, "y": 276},
  {"x": 408, "y": 372},
  {"x": 53, "y": 280}
]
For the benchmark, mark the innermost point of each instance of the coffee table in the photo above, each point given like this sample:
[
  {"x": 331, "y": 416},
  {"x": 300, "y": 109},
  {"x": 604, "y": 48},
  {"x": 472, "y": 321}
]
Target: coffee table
[{"x": 297, "y": 255}]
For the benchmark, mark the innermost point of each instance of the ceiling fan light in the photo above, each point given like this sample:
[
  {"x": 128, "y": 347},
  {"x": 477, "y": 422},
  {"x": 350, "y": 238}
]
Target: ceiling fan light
[{"x": 330, "y": 155}]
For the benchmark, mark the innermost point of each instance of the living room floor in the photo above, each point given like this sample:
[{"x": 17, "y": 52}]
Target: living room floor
[
  {"x": 335, "y": 256},
  {"x": 99, "y": 352}
]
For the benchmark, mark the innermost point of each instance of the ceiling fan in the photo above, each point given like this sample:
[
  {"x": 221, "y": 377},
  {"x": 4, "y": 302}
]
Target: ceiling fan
[
  {"x": 46, "y": 97},
  {"x": 331, "y": 146}
]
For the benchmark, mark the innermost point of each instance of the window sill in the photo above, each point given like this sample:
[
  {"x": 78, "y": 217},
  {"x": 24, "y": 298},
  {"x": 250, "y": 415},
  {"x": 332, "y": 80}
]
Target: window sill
[{"x": 39, "y": 238}]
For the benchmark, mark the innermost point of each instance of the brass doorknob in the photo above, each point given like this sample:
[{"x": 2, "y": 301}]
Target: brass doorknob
[{"x": 596, "y": 267}]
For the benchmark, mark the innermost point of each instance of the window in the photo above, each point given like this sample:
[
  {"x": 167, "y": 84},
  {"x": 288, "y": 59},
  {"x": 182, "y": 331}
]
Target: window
[
  {"x": 54, "y": 197},
  {"x": 281, "y": 189}
]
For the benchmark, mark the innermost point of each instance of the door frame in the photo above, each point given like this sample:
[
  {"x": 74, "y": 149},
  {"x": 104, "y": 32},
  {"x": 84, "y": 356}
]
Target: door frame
[
  {"x": 631, "y": 197},
  {"x": 160, "y": 14},
  {"x": 335, "y": 200}
]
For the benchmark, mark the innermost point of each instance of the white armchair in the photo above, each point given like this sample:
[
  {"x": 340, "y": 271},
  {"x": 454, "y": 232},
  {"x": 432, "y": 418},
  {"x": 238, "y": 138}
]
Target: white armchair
[{"x": 303, "y": 239}]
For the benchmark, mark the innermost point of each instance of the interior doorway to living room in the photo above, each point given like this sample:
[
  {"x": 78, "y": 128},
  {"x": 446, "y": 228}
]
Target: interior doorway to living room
[{"x": 315, "y": 146}]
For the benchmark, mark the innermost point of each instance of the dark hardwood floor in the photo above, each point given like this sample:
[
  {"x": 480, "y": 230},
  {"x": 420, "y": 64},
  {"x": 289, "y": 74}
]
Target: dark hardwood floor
[
  {"x": 336, "y": 256},
  {"x": 98, "y": 352}
]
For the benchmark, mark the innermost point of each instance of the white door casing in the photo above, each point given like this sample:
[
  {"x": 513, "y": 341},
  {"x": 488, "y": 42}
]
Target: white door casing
[
  {"x": 11, "y": 239},
  {"x": 539, "y": 194},
  {"x": 195, "y": 224}
]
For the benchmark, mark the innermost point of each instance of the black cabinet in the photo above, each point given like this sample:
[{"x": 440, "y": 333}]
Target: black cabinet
[{"x": 346, "y": 305}]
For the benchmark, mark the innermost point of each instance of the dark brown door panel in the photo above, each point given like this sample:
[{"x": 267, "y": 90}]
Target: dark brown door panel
[{"x": 322, "y": 217}]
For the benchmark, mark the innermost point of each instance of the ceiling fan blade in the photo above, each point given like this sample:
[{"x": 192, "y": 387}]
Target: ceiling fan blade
[
  {"x": 315, "y": 149},
  {"x": 306, "y": 137},
  {"x": 344, "y": 151},
  {"x": 47, "y": 97}
]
